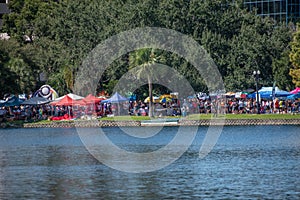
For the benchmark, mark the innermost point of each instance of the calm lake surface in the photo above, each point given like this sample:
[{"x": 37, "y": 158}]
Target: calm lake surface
[{"x": 248, "y": 162}]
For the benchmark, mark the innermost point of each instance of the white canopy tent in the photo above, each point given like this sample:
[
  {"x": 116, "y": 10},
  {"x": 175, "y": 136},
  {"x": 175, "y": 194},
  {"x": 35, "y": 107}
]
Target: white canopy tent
[{"x": 71, "y": 95}]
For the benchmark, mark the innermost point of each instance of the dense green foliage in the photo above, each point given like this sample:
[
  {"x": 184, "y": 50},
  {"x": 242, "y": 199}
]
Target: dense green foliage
[
  {"x": 60, "y": 34},
  {"x": 295, "y": 57}
]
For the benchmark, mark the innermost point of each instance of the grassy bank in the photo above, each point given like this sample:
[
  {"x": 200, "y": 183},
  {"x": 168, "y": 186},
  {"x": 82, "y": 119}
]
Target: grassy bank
[
  {"x": 245, "y": 116},
  {"x": 20, "y": 123},
  {"x": 209, "y": 116},
  {"x": 125, "y": 118}
]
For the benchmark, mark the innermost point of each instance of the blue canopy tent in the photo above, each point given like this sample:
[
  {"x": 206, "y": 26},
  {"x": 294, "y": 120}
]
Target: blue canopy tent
[
  {"x": 294, "y": 96},
  {"x": 251, "y": 96},
  {"x": 266, "y": 93},
  {"x": 13, "y": 101},
  {"x": 36, "y": 101},
  {"x": 116, "y": 98}
]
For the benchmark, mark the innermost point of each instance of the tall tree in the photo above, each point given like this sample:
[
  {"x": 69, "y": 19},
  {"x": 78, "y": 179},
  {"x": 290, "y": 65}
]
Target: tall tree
[
  {"x": 295, "y": 57},
  {"x": 281, "y": 68},
  {"x": 19, "y": 74},
  {"x": 62, "y": 33},
  {"x": 7, "y": 76},
  {"x": 144, "y": 59}
]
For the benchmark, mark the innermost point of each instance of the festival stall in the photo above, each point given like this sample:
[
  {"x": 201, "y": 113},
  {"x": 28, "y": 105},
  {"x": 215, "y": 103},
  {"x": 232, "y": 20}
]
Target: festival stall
[
  {"x": 295, "y": 91},
  {"x": 90, "y": 99},
  {"x": 36, "y": 101},
  {"x": 115, "y": 99},
  {"x": 65, "y": 101},
  {"x": 70, "y": 95},
  {"x": 154, "y": 100},
  {"x": 267, "y": 93},
  {"x": 294, "y": 96},
  {"x": 13, "y": 101}
]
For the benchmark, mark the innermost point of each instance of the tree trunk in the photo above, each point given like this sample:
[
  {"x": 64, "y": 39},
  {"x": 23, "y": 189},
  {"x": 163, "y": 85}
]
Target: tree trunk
[{"x": 150, "y": 113}]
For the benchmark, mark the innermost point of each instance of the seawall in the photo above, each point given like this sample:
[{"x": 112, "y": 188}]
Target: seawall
[{"x": 203, "y": 122}]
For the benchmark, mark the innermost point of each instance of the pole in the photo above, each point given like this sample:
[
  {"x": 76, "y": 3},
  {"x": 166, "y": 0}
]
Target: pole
[
  {"x": 256, "y": 76},
  {"x": 257, "y": 95}
]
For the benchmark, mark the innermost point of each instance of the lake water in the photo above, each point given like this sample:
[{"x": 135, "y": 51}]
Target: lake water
[{"x": 248, "y": 162}]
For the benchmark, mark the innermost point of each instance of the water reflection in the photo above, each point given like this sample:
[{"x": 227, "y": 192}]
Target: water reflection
[{"x": 247, "y": 163}]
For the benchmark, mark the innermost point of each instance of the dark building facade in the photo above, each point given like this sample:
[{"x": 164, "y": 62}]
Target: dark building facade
[{"x": 281, "y": 10}]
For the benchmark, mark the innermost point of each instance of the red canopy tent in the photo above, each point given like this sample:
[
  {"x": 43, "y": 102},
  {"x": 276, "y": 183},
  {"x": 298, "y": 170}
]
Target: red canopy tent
[
  {"x": 90, "y": 99},
  {"x": 80, "y": 102},
  {"x": 66, "y": 101}
]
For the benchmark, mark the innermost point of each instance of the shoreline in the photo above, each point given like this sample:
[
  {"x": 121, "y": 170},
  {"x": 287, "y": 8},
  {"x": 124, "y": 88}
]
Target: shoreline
[{"x": 181, "y": 122}]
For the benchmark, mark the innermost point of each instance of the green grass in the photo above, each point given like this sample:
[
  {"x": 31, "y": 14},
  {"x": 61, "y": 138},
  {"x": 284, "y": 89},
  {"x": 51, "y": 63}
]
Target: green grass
[
  {"x": 12, "y": 124},
  {"x": 42, "y": 122},
  {"x": 209, "y": 116},
  {"x": 126, "y": 118},
  {"x": 245, "y": 116},
  {"x": 195, "y": 117}
]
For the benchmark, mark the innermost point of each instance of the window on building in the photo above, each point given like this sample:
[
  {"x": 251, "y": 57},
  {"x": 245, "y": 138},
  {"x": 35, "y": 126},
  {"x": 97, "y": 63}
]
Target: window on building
[
  {"x": 266, "y": 8},
  {"x": 283, "y": 6},
  {"x": 277, "y": 7},
  {"x": 259, "y": 8}
]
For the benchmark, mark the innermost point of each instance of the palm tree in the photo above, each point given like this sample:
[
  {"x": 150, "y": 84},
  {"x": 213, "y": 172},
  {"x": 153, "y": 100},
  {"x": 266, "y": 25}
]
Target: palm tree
[{"x": 144, "y": 59}]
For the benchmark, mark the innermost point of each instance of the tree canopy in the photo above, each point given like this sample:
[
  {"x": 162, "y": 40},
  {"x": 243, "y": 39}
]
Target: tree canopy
[
  {"x": 295, "y": 57},
  {"x": 54, "y": 37}
]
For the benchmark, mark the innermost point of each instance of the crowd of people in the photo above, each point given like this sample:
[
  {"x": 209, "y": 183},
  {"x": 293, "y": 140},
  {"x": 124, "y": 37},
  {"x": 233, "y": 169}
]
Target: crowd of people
[
  {"x": 139, "y": 108},
  {"x": 220, "y": 106},
  {"x": 243, "y": 106}
]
